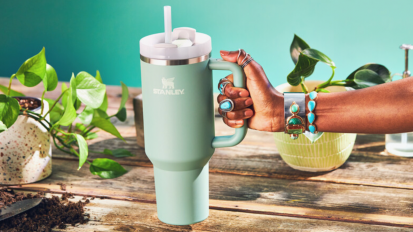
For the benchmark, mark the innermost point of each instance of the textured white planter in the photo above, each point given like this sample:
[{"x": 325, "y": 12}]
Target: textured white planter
[
  {"x": 327, "y": 153},
  {"x": 25, "y": 151}
]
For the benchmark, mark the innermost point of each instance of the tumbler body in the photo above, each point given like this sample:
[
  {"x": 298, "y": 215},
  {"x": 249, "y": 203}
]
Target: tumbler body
[{"x": 178, "y": 115}]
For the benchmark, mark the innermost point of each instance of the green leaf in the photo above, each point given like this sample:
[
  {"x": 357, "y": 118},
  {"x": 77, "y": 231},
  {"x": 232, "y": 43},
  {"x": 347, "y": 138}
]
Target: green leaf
[
  {"x": 9, "y": 110},
  {"x": 304, "y": 68},
  {"x": 56, "y": 112},
  {"x": 296, "y": 47},
  {"x": 69, "y": 114},
  {"x": 98, "y": 113},
  {"x": 120, "y": 152},
  {"x": 87, "y": 115},
  {"x": 121, "y": 115},
  {"x": 105, "y": 104},
  {"x": 32, "y": 71},
  {"x": 50, "y": 80},
  {"x": 317, "y": 55},
  {"x": 368, "y": 75},
  {"x": 323, "y": 90},
  {"x": 83, "y": 150},
  {"x": 91, "y": 135},
  {"x": 90, "y": 91},
  {"x": 64, "y": 97},
  {"x": 13, "y": 93},
  {"x": 106, "y": 168},
  {"x": 107, "y": 126},
  {"x": 2, "y": 127},
  {"x": 125, "y": 95}
]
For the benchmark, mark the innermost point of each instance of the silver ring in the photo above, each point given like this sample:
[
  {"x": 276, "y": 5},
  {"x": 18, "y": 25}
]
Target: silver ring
[
  {"x": 223, "y": 79},
  {"x": 247, "y": 62},
  {"x": 224, "y": 114},
  {"x": 226, "y": 105},
  {"x": 246, "y": 56},
  {"x": 239, "y": 53},
  {"x": 222, "y": 86}
]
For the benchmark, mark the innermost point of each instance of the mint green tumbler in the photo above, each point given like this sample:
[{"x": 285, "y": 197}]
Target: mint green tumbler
[{"x": 178, "y": 110}]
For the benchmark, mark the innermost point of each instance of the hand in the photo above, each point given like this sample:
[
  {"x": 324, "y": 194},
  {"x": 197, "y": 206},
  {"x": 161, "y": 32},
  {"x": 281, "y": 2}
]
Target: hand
[{"x": 261, "y": 104}]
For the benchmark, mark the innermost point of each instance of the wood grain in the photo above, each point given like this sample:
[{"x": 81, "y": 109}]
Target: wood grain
[{"x": 303, "y": 199}]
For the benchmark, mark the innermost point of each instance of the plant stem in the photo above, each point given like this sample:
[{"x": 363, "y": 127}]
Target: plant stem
[
  {"x": 54, "y": 104},
  {"x": 328, "y": 82},
  {"x": 40, "y": 117},
  {"x": 41, "y": 111},
  {"x": 303, "y": 86},
  {"x": 37, "y": 119},
  {"x": 85, "y": 133},
  {"x": 11, "y": 79}
]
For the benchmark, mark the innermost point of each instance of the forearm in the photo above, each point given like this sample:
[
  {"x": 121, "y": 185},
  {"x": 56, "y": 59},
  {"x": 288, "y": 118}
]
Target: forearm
[{"x": 386, "y": 108}]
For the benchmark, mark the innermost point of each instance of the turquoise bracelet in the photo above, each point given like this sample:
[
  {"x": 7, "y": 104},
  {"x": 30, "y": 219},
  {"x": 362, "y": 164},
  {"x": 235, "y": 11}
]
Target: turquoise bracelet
[{"x": 311, "y": 116}]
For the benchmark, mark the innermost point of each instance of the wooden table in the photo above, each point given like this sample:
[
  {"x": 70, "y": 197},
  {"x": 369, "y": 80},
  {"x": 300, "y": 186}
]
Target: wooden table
[{"x": 251, "y": 188}]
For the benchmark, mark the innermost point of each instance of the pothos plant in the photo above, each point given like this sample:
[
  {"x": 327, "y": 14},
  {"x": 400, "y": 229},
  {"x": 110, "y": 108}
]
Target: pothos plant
[
  {"x": 68, "y": 136},
  {"x": 306, "y": 58}
]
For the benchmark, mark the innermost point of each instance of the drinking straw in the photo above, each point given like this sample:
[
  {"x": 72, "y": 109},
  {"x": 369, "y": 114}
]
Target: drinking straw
[{"x": 168, "y": 24}]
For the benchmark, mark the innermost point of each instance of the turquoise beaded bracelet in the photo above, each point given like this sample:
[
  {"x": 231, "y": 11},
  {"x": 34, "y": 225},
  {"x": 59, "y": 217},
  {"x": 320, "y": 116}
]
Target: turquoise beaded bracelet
[{"x": 311, "y": 116}]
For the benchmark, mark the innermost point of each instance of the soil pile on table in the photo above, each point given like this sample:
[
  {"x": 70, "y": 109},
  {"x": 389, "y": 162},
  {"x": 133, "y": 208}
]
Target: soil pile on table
[{"x": 51, "y": 212}]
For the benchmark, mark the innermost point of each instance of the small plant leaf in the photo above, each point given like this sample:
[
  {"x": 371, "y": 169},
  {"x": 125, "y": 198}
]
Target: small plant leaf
[
  {"x": 56, "y": 112},
  {"x": 50, "y": 80},
  {"x": 90, "y": 91},
  {"x": 91, "y": 135},
  {"x": 120, "y": 152},
  {"x": 303, "y": 68},
  {"x": 125, "y": 95},
  {"x": 83, "y": 149},
  {"x": 32, "y": 71},
  {"x": 87, "y": 115},
  {"x": 9, "y": 110},
  {"x": 106, "y": 168},
  {"x": 107, "y": 126},
  {"x": 13, "y": 93},
  {"x": 98, "y": 113},
  {"x": 368, "y": 75},
  {"x": 121, "y": 115},
  {"x": 296, "y": 47},
  {"x": 105, "y": 103},
  {"x": 64, "y": 97},
  {"x": 69, "y": 114},
  {"x": 317, "y": 55}
]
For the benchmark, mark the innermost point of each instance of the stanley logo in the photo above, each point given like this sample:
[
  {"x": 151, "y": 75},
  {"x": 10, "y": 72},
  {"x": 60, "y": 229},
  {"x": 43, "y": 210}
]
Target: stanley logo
[{"x": 168, "y": 88}]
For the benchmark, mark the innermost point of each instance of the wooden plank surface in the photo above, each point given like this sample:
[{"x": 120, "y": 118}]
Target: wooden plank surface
[
  {"x": 303, "y": 199},
  {"x": 250, "y": 181}
]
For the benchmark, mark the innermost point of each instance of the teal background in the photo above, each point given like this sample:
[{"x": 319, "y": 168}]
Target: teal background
[{"x": 87, "y": 35}]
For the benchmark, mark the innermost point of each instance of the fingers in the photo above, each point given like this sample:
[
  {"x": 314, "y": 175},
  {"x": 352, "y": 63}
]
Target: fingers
[
  {"x": 239, "y": 103},
  {"x": 239, "y": 114},
  {"x": 231, "y": 91},
  {"x": 234, "y": 123}
]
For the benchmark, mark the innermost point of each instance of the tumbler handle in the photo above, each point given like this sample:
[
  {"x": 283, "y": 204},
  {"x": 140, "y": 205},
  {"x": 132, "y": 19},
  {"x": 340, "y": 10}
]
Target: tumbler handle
[{"x": 231, "y": 140}]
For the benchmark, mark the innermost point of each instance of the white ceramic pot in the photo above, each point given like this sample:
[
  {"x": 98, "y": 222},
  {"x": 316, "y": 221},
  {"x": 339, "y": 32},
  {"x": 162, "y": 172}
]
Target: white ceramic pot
[
  {"x": 25, "y": 151},
  {"x": 327, "y": 153}
]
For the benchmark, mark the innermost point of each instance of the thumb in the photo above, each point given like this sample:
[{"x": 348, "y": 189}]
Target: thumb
[{"x": 229, "y": 56}]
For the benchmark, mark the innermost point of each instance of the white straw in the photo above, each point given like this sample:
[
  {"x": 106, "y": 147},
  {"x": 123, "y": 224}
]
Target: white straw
[{"x": 168, "y": 24}]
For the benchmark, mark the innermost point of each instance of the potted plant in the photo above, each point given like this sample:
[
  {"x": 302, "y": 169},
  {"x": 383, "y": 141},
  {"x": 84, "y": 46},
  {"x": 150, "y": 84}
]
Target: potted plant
[
  {"x": 29, "y": 125},
  {"x": 323, "y": 151}
]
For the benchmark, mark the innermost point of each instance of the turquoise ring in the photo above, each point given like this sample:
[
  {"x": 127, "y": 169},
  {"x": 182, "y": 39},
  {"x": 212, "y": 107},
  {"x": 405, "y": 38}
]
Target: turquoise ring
[{"x": 226, "y": 105}]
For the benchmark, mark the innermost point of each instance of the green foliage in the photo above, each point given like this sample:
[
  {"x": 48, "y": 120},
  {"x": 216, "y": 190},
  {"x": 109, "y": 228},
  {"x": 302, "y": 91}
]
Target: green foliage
[
  {"x": 84, "y": 88},
  {"x": 106, "y": 168},
  {"x": 306, "y": 58}
]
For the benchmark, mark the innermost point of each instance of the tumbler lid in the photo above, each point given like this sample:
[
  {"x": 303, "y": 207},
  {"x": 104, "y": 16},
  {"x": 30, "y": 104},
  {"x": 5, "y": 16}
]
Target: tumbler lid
[{"x": 180, "y": 44}]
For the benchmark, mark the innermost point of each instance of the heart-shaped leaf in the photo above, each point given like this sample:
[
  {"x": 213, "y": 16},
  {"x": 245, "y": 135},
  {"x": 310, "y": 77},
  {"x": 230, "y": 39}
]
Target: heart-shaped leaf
[
  {"x": 120, "y": 152},
  {"x": 105, "y": 104},
  {"x": 107, "y": 126},
  {"x": 125, "y": 95},
  {"x": 83, "y": 150},
  {"x": 89, "y": 90},
  {"x": 13, "y": 93},
  {"x": 368, "y": 75},
  {"x": 106, "y": 168},
  {"x": 9, "y": 110},
  {"x": 50, "y": 80},
  {"x": 87, "y": 115},
  {"x": 317, "y": 55},
  {"x": 32, "y": 71},
  {"x": 296, "y": 47},
  {"x": 303, "y": 68},
  {"x": 69, "y": 114}
]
